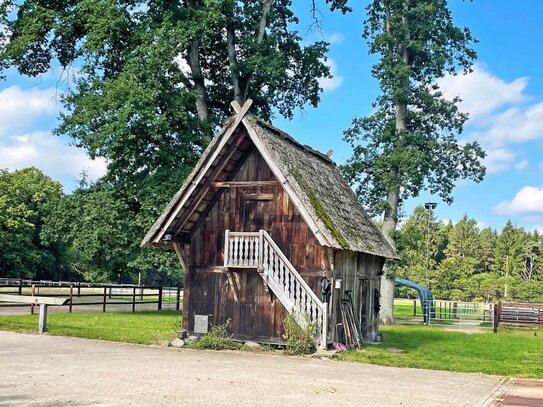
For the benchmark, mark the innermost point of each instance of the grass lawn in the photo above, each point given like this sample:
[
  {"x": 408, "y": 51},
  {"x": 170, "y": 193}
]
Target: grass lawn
[
  {"x": 145, "y": 327},
  {"x": 509, "y": 353},
  {"x": 403, "y": 309}
]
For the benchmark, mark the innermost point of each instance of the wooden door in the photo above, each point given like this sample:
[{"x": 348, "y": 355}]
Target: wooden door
[{"x": 258, "y": 212}]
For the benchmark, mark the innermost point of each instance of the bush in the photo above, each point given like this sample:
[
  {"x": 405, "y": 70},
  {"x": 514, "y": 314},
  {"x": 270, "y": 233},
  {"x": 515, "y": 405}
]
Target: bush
[
  {"x": 216, "y": 339},
  {"x": 299, "y": 341}
]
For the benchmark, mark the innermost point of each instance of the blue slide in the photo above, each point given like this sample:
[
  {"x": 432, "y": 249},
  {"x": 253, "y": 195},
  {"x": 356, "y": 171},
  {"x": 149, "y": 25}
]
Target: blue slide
[{"x": 424, "y": 293}]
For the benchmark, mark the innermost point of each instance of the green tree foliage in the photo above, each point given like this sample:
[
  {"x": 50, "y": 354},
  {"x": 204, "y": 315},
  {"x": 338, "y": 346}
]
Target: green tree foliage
[
  {"x": 409, "y": 142},
  {"x": 149, "y": 82},
  {"x": 469, "y": 264},
  {"x": 99, "y": 240},
  {"x": 24, "y": 196}
]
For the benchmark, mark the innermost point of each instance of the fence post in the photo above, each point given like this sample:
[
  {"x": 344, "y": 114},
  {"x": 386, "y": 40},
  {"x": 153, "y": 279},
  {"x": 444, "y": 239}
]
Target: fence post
[
  {"x": 496, "y": 321},
  {"x": 159, "y": 298},
  {"x": 79, "y": 288},
  {"x": 110, "y": 292},
  {"x": 33, "y": 294},
  {"x": 133, "y": 299},
  {"x": 71, "y": 297},
  {"x": 20, "y": 287},
  {"x": 414, "y": 307},
  {"x": 178, "y": 298},
  {"x": 226, "y": 247},
  {"x": 105, "y": 300}
]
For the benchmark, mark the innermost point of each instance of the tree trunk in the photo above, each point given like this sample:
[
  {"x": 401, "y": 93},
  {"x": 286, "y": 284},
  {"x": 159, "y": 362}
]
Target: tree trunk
[
  {"x": 193, "y": 59},
  {"x": 390, "y": 220},
  {"x": 233, "y": 62}
]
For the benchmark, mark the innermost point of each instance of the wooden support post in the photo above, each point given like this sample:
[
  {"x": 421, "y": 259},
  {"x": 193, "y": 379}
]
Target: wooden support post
[
  {"x": 110, "y": 289},
  {"x": 71, "y": 297},
  {"x": 33, "y": 295},
  {"x": 79, "y": 289},
  {"x": 415, "y": 308},
  {"x": 43, "y": 319},
  {"x": 105, "y": 300},
  {"x": 20, "y": 287},
  {"x": 177, "y": 298},
  {"x": 496, "y": 321},
  {"x": 133, "y": 299},
  {"x": 159, "y": 298}
]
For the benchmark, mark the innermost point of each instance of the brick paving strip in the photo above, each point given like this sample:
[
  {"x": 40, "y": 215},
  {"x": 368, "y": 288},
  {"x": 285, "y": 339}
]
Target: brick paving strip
[
  {"x": 521, "y": 393},
  {"x": 59, "y": 371}
]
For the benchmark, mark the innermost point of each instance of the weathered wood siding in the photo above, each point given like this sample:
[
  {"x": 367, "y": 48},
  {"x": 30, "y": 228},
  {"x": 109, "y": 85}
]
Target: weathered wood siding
[
  {"x": 360, "y": 273},
  {"x": 255, "y": 315}
]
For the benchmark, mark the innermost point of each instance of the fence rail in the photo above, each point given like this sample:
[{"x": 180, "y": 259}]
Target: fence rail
[
  {"x": 105, "y": 295},
  {"x": 519, "y": 314}
]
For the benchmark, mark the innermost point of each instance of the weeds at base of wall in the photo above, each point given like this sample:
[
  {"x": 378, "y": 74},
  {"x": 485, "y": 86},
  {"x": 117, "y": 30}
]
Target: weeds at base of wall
[
  {"x": 216, "y": 339},
  {"x": 299, "y": 341}
]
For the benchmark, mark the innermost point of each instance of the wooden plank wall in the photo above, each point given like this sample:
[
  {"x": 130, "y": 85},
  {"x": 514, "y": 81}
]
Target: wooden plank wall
[
  {"x": 359, "y": 273},
  {"x": 256, "y": 315}
]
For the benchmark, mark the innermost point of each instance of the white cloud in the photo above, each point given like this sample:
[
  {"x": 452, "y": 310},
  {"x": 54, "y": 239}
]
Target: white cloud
[
  {"x": 515, "y": 125},
  {"x": 21, "y": 108},
  {"x": 50, "y": 154},
  {"x": 336, "y": 38},
  {"x": 527, "y": 202},
  {"x": 498, "y": 160},
  {"x": 335, "y": 82},
  {"x": 481, "y": 92},
  {"x": 521, "y": 165}
]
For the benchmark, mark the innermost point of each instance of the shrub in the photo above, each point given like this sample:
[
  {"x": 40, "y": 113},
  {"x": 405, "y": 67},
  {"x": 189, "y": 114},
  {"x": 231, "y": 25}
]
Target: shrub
[{"x": 299, "y": 341}]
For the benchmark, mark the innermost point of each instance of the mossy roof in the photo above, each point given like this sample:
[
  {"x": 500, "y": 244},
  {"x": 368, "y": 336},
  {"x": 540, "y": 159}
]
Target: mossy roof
[{"x": 324, "y": 192}]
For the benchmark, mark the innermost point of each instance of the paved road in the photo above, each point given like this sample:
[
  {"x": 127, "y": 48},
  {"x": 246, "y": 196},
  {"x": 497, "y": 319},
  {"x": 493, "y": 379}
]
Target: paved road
[{"x": 57, "y": 371}]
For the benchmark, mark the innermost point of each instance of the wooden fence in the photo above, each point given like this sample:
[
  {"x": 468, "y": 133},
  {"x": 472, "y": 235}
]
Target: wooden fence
[
  {"x": 530, "y": 315},
  {"x": 86, "y": 294}
]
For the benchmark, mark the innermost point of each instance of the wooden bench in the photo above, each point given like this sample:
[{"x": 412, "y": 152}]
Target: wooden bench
[{"x": 43, "y": 302}]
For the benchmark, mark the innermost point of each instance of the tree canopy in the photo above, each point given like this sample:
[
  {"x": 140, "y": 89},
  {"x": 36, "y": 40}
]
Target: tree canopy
[
  {"x": 148, "y": 83},
  {"x": 467, "y": 263},
  {"x": 409, "y": 142},
  {"x": 24, "y": 199}
]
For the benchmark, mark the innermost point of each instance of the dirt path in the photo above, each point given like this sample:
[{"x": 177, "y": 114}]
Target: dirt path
[{"x": 58, "y": 371}]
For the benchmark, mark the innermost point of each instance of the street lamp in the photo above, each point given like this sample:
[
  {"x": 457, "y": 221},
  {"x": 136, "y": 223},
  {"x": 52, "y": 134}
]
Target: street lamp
[{"x": 429, "y": 206}]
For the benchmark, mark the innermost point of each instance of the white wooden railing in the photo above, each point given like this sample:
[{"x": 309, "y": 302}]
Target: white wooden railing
[{"x": 258, "y": 250}]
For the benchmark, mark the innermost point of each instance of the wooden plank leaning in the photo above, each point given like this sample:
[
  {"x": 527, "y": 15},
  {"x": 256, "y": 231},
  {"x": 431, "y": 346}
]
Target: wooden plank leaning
[{"x": 43, "y": 302}]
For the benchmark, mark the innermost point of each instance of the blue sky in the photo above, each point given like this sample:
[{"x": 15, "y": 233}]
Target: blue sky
[{"x": 504, "y": 97}]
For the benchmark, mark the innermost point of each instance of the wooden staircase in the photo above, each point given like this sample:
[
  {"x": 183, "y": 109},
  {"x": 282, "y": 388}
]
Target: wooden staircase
[{"x": 258, "y": 250}]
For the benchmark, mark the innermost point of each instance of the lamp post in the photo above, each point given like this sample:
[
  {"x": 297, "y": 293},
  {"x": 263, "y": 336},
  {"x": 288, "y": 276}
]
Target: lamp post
[{"x": 429, "y": 206}]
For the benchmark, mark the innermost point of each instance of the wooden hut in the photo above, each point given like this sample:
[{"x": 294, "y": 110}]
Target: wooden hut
[{"x": 261, "y": 227}]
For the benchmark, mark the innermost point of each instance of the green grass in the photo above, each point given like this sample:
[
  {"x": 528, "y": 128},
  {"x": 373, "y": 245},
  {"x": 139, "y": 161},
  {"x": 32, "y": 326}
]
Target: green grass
[
  {"x": 403, "y": 309},
  {"x": 144, "y": 327},
  {"x": 509, "y": 353}
]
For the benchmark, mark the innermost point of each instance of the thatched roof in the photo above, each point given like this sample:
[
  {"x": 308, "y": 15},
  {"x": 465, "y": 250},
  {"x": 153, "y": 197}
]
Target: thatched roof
[{"x": 312, "y": 179}]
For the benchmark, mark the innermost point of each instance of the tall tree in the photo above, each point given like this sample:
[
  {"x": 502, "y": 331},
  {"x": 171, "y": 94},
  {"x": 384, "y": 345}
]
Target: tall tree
[
  {"x": 24, "y": 195},
  {"x": 153, "y": 79},
  {"x": 409, "y": 142}
]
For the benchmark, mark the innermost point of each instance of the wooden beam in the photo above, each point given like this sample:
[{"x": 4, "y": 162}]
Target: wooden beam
[
  {"x": 219, "y": 192},
  {"x": 27, "y": 299},
  {"x": 204, "y": 189},
  {"x": 232, "y": 285},
  {"x": 179, "y": 253},
  {"x": 239, "y": 184},
  {"x": 226, "y": 136}
]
